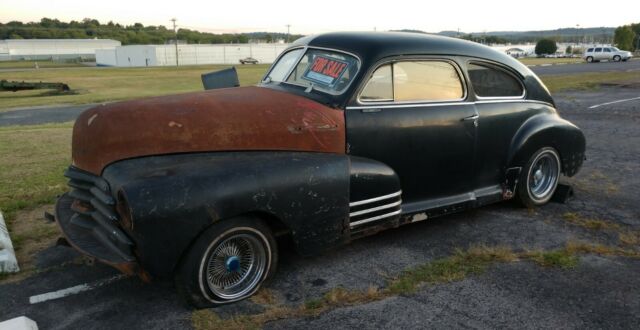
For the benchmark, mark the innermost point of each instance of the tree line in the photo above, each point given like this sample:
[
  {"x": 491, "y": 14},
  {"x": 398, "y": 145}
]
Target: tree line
[
  {"x": 627, "y": 37},
  {"x": 137, "y": 33}
]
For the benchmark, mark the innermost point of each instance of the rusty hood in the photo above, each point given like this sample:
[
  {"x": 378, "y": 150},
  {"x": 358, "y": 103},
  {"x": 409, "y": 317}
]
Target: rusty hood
[{"x": 234, "y": 119}]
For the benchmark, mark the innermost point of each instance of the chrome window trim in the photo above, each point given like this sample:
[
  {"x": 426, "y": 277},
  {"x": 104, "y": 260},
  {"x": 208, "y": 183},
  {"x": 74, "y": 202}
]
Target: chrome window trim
[
  {"x": 497, "y": 67},
  {"x": 455, "y": 65},
  {"x": 373, "y": 106},
  {"x": 375, "y": 199},
  {"x": 305, "y": 49}
]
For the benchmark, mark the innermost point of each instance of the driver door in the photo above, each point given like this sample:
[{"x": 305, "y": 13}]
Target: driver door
[{"x": 412, "y": 116}]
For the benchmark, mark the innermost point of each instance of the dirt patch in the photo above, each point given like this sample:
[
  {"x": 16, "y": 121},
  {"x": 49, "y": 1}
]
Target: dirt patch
[{"x": 30, "y": 234}]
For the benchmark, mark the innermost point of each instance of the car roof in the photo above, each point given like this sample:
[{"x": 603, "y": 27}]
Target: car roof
[{"x": 374, "y": 46}]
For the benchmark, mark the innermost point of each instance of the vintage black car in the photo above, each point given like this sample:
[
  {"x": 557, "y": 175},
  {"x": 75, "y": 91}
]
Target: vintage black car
[{"x": 347, "y": 134}]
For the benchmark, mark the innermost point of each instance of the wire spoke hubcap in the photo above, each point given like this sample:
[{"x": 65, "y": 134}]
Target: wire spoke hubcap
[{"x": 236, "y": 266}]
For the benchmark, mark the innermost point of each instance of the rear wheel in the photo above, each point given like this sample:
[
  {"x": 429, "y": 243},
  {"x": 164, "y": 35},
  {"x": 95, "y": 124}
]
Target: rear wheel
[
  {"x": 589, "y": 59},
  {"x": 616, "y": 58},
  {"x": 227, "y": 263},
  {"x": 539, "y": 179}
]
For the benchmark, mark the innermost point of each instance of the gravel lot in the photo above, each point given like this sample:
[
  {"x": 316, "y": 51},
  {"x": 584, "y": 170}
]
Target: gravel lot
[{"x": 600, "y": 292}]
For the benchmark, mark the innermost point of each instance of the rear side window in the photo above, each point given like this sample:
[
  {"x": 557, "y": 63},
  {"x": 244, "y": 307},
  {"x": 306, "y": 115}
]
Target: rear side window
[
  {"x": 490, "y": 81},
  {"x": 589, "y": 50},
  {"x": 598, "y": 50},
  {"x": 414, "y": 81}
]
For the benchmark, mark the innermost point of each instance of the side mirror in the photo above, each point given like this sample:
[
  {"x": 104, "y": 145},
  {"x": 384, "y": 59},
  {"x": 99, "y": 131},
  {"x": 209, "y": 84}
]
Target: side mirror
[{"x": 221, "y": 79}]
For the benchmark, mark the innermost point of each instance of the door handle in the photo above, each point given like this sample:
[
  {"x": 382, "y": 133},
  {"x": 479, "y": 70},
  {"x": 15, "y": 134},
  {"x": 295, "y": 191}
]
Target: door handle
[{"x": 473, "y": 117}]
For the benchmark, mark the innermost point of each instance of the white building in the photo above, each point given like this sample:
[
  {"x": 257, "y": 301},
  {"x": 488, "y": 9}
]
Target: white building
[
  {"x": 52, "y": 49},
  {"x": 165, "y": 55}
]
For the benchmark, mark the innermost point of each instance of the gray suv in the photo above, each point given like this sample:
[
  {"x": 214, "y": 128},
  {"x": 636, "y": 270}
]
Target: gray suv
[{"x": 596, "y": 54}]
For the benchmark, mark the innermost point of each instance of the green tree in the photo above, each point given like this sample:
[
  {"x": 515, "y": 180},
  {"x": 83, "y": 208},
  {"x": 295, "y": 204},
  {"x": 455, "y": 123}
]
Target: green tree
[
  {"x": 623, "y": 37},
  {"x": 546, "y": 46},
  {"x": 569, "y": 50}
]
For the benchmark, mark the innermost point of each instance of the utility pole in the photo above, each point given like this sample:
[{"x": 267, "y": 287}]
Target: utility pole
[
  {"x": 176, "y": 40},
  {"x": 288, "y": 27}
]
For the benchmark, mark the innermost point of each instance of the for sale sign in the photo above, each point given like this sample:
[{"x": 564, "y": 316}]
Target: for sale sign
[{"x": 325, "y": 70}]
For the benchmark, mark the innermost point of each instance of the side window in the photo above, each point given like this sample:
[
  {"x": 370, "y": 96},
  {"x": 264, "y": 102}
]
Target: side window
[
  {"x": 414, "y": 81},
  {"x": 598, "y": 50},
  {"x": 607, "y": 50},
  {"x": 589, "y": 50},
  {"x": 426, "y": 81},
  {"x": 489, "y": 81},
  {"x": 380, "y": 85}
]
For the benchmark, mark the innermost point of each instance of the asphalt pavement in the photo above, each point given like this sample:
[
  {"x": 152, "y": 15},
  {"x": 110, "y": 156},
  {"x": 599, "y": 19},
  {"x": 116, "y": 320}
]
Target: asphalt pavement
[
  {"x": 600, "y": 293},
  {"x": 584, "y": 67},
  {"x": 42, "y": 115}
]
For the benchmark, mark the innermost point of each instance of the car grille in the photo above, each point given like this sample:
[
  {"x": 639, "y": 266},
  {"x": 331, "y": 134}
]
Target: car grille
[{"x": 92, "y": 209}]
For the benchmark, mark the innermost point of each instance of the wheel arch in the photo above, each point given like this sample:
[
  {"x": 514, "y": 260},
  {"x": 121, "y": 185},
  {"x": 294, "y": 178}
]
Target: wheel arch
[{"x": 548, "y": 130}]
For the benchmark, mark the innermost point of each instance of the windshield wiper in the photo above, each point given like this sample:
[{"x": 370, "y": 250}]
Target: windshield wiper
[{"x": 309, "y": 89}]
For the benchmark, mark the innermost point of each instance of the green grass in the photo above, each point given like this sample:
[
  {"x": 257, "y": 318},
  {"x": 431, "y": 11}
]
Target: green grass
[
  {"x": 33, "y": 160},
  {"x": 586, "y": 81},
  {"x": 41, "y": 64},
  {"x": 94, "y": 85},
  {"x": 557, "y": 258},
  {"x": 540, "y": 61}
]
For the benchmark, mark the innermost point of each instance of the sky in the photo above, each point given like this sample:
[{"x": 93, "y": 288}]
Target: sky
[{"x": 317, "y": 16}]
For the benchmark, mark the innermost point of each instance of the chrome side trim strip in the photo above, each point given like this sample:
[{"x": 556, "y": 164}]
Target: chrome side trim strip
[
  {"x": 375, "y": 199},
  {"x": 385, "y": 106},
  {"x": 373, "y": 209},
  {"x": 363, "y": 221},
  {"x": 418, "y": 105}
]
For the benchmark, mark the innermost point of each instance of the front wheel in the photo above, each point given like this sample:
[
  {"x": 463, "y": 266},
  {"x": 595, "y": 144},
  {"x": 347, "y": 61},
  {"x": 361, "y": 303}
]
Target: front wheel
[
  {"x": 539, "y": 179},
  {"x": 227, "y": 263},
  {"x": 616, "y": 58}
]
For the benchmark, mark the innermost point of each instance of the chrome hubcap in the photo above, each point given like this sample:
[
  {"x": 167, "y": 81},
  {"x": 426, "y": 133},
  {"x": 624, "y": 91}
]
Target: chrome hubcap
[
  {"x": 236, "y": 265},
  {"x": 543, "y": 176}
]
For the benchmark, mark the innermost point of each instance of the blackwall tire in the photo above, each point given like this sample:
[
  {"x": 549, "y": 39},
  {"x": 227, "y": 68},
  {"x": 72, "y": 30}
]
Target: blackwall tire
[
  {"x": 589, "y": 59},
  {"x": 617, "y": 58},
  {"x": 227, "y": 263},
  {"x": 539, "y": 178}
]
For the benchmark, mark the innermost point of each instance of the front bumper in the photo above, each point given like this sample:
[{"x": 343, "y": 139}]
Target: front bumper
[{"x": 88, "y": 220}]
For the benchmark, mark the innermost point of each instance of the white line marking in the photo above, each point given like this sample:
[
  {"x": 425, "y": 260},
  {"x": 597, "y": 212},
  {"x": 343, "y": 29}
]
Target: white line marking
[
  {"x": 74, "y": 289},
  {"x": 613, "y": 102}
]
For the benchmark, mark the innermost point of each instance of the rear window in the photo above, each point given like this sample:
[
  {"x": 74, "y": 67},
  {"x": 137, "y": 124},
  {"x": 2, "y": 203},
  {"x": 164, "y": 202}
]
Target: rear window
[{"x": 490, "y": 81}]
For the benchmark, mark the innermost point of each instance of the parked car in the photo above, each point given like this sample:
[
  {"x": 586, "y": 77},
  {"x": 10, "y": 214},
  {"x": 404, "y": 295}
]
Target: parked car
[
  {"x": 597, "y": 54},
  {"x": 248, "y": 60},
  {"x": 346, "y": 135}
]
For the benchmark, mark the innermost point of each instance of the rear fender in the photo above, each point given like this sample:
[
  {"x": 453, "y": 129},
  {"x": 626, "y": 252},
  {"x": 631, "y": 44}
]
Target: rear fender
[{"x": 548, "y": 130}]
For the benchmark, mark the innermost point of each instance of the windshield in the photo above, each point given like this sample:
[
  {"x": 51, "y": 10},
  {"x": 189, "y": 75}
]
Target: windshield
[{"x": 323, "y": 70}]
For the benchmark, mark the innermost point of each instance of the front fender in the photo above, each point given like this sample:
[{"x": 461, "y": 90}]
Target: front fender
[
  {"x": 548, "y": 130},
  {"x": 173, "y": 198}
]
